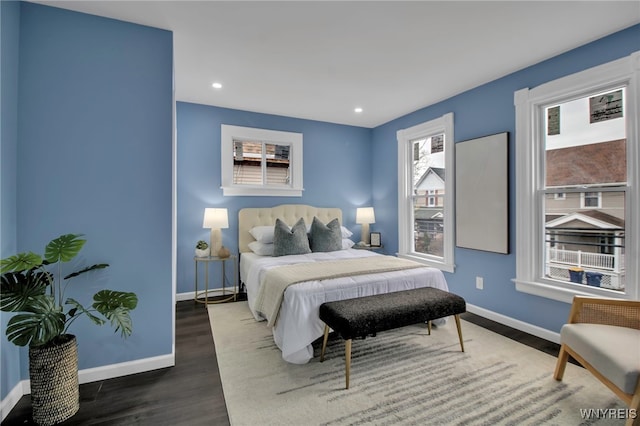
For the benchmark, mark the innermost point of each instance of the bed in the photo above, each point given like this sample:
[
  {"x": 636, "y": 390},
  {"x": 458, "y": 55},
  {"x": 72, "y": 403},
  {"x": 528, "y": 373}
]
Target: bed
[{"x": 297, "y": 323}]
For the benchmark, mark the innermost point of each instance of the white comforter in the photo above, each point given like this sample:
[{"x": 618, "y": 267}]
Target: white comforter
[{"x": 298, "y": 324}]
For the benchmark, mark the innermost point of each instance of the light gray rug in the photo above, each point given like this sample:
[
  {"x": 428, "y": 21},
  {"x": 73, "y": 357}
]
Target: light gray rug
[{"x": 403, "y": 376}]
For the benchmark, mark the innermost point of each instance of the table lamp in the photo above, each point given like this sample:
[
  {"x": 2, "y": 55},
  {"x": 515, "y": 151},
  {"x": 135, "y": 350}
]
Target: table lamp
[
  {"x": 215, "y": 219},
  {"x": 365, "y": 216}
]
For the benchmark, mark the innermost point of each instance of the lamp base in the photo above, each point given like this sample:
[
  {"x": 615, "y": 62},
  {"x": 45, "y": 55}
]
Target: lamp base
[
  {"x": 216, "y": 241},
  {"x": 365, "y": 237}
]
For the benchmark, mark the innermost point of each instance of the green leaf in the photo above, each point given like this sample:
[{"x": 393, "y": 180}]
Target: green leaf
[
  {"x": 18, "y": 290},
  {"x": 121, "y": 320},
  {"x": 20, "y": 262},
  {"x": 64, "y": 248},
  {"x": 107, "y": 300},
  {"x": 82, "y": 310},
  {"x": 38, "y": 327},
  {"x": 87, "y": 269},
  {"x": 115, "y": 306}
]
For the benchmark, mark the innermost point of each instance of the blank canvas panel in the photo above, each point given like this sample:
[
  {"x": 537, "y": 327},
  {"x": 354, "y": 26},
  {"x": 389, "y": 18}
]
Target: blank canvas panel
[{"x": 482, "y": 193}]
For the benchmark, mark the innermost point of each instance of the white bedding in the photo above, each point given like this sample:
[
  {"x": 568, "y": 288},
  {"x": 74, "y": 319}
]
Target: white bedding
[{"x": 299, "y": 325}]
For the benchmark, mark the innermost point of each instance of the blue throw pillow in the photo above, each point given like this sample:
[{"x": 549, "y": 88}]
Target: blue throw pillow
[
  {"x": 290, "y": 241},
  {"x": 325, "y": 237}
]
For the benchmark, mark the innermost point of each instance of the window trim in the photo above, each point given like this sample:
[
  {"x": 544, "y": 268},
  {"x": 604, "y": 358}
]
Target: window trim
[
  {"x": 230, "y": 133},
  {"x": 560, "y": 196},
  {"x": 443, "y": 124},
  {"x": 583, "y": 197},
  {"x": 431, "y": 198},
  {"x": 529, "y": 249}
]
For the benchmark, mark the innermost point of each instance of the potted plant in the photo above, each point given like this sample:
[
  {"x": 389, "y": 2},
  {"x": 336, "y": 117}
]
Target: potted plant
[
  {"x": 33, "y": 287},
  {"x": 202, "y": 249}
]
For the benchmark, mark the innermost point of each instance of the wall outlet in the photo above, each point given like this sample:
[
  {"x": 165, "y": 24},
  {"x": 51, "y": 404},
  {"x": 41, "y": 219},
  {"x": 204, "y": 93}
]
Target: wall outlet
[{"x": 479, "y": 283}]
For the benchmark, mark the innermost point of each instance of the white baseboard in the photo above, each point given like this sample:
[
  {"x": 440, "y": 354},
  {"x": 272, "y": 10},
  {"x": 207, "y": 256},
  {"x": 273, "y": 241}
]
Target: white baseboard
[
  {"x": 111, "y": 371},
  {"x": 89, "y": 375},
  {"x": 190, "y": 295},
  {"x": 543, "y": 333},
  {"x": 12, "y": 399},
  {"x": 185, "y": 296}
]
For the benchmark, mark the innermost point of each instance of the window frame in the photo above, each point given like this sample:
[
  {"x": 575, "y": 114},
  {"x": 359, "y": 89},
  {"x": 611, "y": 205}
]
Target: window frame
[
  {"x": 431, "y": 198},
  {"x": 597, "y": 197},
  {"x": 406, "y": 137},
  {"x": 230, "y": 133},
  {"x": 529, "y": 155}
]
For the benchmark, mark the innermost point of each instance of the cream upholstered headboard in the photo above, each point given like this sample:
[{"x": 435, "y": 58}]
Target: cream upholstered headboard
[{"x": 289, "y": 213}]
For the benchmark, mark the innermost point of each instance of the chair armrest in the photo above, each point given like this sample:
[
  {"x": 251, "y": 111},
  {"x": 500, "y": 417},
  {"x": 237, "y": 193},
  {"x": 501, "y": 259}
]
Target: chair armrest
[{"x": 622, "y": 313}]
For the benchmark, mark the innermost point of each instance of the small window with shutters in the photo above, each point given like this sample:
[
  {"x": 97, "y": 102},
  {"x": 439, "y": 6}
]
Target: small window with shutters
[{"x": 261, "y": 162}]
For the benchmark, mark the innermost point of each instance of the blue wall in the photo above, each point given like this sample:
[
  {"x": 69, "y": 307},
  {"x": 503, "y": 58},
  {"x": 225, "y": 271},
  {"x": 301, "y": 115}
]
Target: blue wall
[
  {"x": 94, "y": 156},
  {"x": 485, "y": 110},
  {"x": 9, "y": 40},
  {"x": 337, "y": 173}
]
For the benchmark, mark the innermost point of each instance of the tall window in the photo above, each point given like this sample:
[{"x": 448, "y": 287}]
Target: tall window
[
  {"x": 260, "y": 162},
  {"x": 577, "y": 184},
  {"x": 425, "y": 192}
]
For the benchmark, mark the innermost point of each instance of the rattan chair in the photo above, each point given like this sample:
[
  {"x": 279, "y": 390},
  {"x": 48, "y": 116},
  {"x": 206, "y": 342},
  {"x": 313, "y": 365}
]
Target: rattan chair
[{"x": 604, "y": 336}]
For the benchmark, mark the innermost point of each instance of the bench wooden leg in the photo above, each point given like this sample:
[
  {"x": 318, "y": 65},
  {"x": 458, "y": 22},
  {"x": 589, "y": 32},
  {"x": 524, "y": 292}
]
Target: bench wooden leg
[
  {"x": 429, "y": 327},
  {"x": 347, "y": 360},
  {"x": 324, "y": 342},
  {"x": 457, "y": 317}
]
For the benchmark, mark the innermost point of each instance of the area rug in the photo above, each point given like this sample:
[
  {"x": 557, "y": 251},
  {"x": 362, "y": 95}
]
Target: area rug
[{"x": 401, "y": 377}]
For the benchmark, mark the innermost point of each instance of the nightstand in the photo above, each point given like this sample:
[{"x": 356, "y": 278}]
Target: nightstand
[
  {"x": 368, "y": 247},
  {"x": 216, "y": 295}
]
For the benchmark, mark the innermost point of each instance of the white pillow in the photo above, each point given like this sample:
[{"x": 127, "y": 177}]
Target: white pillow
[
  {"x": 345, "y": 232},
  {"x": 347, "y": 243},
  {"x": 262, "y": 234},
  {"x": 261, "y": 249}
]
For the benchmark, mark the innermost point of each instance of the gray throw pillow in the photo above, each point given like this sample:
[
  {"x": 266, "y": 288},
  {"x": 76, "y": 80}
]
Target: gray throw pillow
[
  {"x": 325, "y": 237},
  {"x": 290, "y": 241}
]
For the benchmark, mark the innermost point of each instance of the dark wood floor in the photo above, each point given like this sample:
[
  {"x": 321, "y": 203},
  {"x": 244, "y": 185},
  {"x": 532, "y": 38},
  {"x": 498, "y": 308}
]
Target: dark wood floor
[{"x": 190, "y": 393}]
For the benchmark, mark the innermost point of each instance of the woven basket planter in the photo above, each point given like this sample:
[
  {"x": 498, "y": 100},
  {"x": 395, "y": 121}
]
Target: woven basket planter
[{"x": 53, "y": 371}]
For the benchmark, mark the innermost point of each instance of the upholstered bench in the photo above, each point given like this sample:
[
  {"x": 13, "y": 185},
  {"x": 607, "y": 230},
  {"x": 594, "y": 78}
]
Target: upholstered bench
[{"x": 368, "y": 315}]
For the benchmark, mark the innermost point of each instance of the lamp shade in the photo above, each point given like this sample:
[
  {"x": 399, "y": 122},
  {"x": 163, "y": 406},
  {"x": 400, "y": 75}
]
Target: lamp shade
[
  {"x": 215, "y": 218},
  {"x": 365, "y": 215}
]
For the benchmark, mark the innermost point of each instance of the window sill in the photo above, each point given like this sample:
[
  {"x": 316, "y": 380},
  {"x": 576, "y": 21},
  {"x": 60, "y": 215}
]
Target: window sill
[
  {"x": 261, "y": 192},
  {"x": 560, "y": 294},
  {"x": 447, "y": 267}
]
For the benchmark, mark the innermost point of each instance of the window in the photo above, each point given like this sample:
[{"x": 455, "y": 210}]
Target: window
[
  {"x": 592, "y": 199},
  {"x": 261, "y": 162},
  {"x": 425, "y": 192},
  {"x": 577, "y": 189},
  {"x": 432, "y": 199}
]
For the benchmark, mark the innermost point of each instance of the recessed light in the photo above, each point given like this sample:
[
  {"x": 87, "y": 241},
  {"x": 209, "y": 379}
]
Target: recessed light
[
  {"x": 358, "y": 110},
  {"x": 216, "y": 86}
]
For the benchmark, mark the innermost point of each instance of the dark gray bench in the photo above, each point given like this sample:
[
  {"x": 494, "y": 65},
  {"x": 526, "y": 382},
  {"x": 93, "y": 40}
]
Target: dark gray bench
[{"x": 364, "y": 316}]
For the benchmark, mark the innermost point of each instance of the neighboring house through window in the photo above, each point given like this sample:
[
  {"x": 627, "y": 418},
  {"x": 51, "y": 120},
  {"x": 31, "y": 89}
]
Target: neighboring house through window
[
  {"x": 577, "y": 184},
  {"x": 425, "y": 192}
]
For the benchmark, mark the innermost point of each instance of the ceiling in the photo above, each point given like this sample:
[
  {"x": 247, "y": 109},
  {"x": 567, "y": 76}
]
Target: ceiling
[{"x": 321, "y": 59}]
